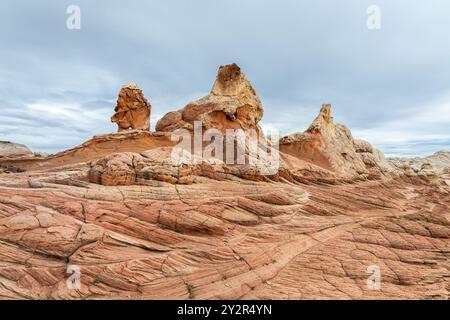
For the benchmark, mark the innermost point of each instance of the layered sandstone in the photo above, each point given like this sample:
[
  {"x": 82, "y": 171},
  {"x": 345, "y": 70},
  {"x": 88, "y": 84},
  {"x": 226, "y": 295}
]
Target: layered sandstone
[
  {"x": 436, "y": 164},
  {"x": 226, "y": 238},
  {"x": 332, "y": 147},
  {"x": 376, "y": 163},
  {"x": 132, "y": 109},
  {"x": 97, "y": 147},
  {"x": 14, "y": 150},
  {"x": 157, "y": 165}
]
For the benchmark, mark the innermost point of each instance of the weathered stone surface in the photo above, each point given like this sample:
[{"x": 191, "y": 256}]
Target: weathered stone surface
[
  {"x": 170, "y": 122},
  {"x": 326, "y": 144},
  {"x": 226, "y": 238},
  {"x": 132, "y": 109},
  {"x": 14, "y": 150},
  {"x": 115, "y": 170},
  {"x": 332, "y": 147},
  {"x": 232, "y": 104},
  {"x": 157, "y": 165},
  {"x": 375, "y": 161},
  {"x": 98, "y": 147},
  {"x": 362, "y": 146},
  {"x": 435, "y": 164}
]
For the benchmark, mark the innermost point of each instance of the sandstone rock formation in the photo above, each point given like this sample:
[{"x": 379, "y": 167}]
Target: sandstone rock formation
[
  {"x": 332, "y": 147},
  {"x": 436, "y": 164},
  {"x": 374, "y": 160},
  {"x": 156, "y": 165},
  {"x": 13, "y": 150},
  {"x": 139, "y": 226},
  {"x": 132, "y": 109},
  {"x": 96, "y": 148},
  {"x": 232, "y": 104},
  {"x": 326, "y": 144},
  {"x": 230, "y": 238}
]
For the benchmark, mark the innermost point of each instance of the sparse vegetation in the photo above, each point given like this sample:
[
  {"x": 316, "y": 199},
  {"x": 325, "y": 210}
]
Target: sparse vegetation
[
  {"x": 190, "y": 290},
  {"x": 405, "y": 166},
  {"x": 10, "y": 169},
  {"x": 96, "y": 280},
  {"x": 162, "y": 226}
]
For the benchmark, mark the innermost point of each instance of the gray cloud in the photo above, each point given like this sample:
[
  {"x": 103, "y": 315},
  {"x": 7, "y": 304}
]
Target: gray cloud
[{"x": 390, "y": 86}]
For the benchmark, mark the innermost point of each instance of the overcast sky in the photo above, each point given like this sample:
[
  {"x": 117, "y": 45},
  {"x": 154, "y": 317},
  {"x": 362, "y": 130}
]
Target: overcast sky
[{"x": 391, "y": 86}]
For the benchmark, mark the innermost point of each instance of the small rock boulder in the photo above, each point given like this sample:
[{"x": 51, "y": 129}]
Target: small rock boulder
[
  {"x": 362, "y": 146},
  {"x": 114, "y": 170}
]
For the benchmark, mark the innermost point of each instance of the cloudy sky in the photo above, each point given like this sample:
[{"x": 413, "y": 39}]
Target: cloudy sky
[{"x": 390, "y": 86}]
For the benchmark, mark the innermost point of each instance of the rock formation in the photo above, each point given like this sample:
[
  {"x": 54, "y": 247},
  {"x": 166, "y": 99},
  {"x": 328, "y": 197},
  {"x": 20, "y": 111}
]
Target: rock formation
[
  {"x": 132, "y": 109},
  {"x": 96, "y": 148},
  {"x": 154, "y": 165},
  {"x": 326, "y": 144},
  {"x": 231, "y": 104},
  {"x": 332, "y": 147},
  {"x": 374, "y": 160},
  {"x": 228, "y": 238},
  {"x": 436, "y": 164},
  {"x": 14, "y": 150},
  {"x": 139, "y": 226}
]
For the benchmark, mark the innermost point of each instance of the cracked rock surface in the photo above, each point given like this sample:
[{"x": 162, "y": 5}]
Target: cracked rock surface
[{"x": 227, "y": 238}]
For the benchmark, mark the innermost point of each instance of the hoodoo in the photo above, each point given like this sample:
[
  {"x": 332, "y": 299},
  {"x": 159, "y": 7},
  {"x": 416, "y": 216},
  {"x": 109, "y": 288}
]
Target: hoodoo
[
  {"x": 231, "y": 104},
  {"x": 132, "y": 109}
]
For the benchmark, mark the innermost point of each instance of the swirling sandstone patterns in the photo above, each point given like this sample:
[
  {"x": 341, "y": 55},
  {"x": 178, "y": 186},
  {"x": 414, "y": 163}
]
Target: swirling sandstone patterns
[{"x": 222, "y": 239}]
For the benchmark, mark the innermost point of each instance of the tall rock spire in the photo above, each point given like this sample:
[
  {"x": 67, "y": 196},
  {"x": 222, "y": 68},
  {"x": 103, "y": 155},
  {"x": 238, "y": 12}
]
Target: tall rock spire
[{"x": 232, "y": 103}]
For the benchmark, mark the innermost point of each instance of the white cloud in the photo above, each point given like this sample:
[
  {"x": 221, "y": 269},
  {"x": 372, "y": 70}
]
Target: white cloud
[
  {"x": 64, "y": 112},
  {"x": 53, "y": 126},
  {"x": 409, "y": 135}
]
